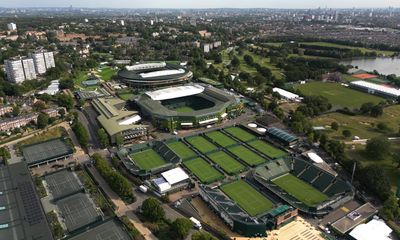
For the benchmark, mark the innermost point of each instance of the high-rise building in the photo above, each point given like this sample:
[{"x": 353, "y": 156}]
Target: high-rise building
[
  {"x": 29, "y": 68},
  {"x": 38, "y": 60},
  {"x": 49, "y": 59},
  {"x": 12, "y": 26},
  {"x": 14, "y": 70}
]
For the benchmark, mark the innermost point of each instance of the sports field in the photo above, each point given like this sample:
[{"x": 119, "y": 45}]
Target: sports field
[
  {"x": 300, "y": 190},
  {"x": 239, "y": 133},
  {"x": 221, "y": 138},
  {"x": 183, "y": 151},
  {"x": 337, "y": 94},
  {"x": 184, "y": 109},
  {"x": 147, "y": 159},
  {"x": 267, "y": 149},
  {"x": 249, "y": 157},
  {"x": 247, "y": 197},
  {"x": 226, "y": 162},
  {"x": 202, "y": 170},
  {"x": 201, "y": 144}
]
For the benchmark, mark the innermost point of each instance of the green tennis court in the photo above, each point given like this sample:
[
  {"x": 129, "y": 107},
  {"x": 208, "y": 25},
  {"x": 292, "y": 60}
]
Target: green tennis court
[
  {"x": 226, "y": 162},
  {"x": 183, "y": 151},
  {"x": 240, "y": 133},
  {"x": 248, "y": 156},
  {"x": 201, "y": 144},
  {"x": 221, "y": 138},
  {"x": 147, "y": 159},
  {"x": 202, "y": 170},
  {"x": 267, "y": 149}
]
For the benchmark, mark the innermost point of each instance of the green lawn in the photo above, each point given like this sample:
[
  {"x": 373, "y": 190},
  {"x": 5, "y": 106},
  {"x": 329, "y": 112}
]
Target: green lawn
[
  {"x": 247, "y": 197},
  {"x": 107, "y": 73},
  {"x": 184, "y": 109},
  {"x": 300, "y": 190},
  {"x": 226, "y": 162},
  {"x": 82, "y": 76},
  {"x": 126, "y": 96},
  {"x": 147, "y": 159},
  {"x": 221, "y": 138},
  {"x": 337, "y": 94},
  {"x": 181, "y": 150},
  {"x": 335, "y": 45},
  {"x": 202, "y": 170},
  {"x": 267, "y": 149},
  {"x": 248, "y": 156},
  {"x": 201, "y": 144},
  {"x": 240, "y": 133}
]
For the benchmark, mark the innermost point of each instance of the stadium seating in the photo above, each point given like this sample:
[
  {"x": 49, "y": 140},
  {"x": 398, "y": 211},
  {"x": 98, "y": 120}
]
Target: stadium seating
[
  {"x": 323, "y": 181},
  {"x": 338, "y": 187},
  {"x": 310, "y": 174},
  {"x": 298, "y": 167}
]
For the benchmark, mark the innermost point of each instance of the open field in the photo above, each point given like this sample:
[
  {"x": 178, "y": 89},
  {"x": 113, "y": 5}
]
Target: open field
[
  {"x": 147, "y": 159},
  {"x": 201, "y": 144},
  {"x": 226, "y": 162},
  {"x": 301, "y": 190},
  {"x": 335, "y": 45},
  {"x": 107, "y": 73},
  {"x": 247, "y": 197},
  {"x": 221, "y": 138},
  {"x": 240, "y": 133},
  {"x": 82, "y": 76},
  {"x": 337, "y": 94},
  {"x": 267, "y": 149},
  {"x": 249, "y": 157},
  {"x": 202, "y": 170},
  {"x": 181, "y": 149}
]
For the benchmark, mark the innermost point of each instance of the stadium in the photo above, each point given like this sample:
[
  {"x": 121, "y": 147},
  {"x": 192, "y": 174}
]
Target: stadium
[
  {"x": 154, "y": 75},
  {"x": 187, "y": 106},
  {"x": 301, "y": 184}
]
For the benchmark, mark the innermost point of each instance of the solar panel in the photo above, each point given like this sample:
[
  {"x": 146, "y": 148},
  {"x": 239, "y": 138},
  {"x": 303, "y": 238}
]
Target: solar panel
[{"x": 30, "y": 202}]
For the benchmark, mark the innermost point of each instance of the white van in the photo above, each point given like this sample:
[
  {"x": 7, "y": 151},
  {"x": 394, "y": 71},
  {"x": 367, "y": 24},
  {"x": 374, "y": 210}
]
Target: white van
[{"x": 196, "y": 223}]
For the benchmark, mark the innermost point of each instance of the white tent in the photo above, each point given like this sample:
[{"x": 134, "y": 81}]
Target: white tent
[{"x": 373, "y": 230}]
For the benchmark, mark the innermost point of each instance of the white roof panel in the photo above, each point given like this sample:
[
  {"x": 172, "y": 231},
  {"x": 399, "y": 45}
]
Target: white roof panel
[
  {"x": 162, "y": 73},
  {"x": 376, "y": 87},
  {"x": 286, "y": 94},
  {"x": 175, "y": 92},
  {"x": 145, "y": 66},
  {"x": 314, "y": 157},
  {"x": 131, "y": 120},
  {"x": 373, "y": 230},
  {"x": 175, "y": 175}
]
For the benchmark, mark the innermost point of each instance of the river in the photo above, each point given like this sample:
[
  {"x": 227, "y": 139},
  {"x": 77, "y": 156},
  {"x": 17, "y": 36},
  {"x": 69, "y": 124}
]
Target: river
[{"x": 383, "y": 65}]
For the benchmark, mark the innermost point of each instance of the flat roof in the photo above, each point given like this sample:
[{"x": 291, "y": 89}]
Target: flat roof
[
  {"x": 281, "y": 134},
  {"x": 376, "y": 229},
  {"x": 175, "y": 175},
  {"x": 44, "y": 151},
  {"x": 162, "y": 73},
  {"x": 63, "y": 183},
  {"x": 109, "y": 230},
  {"x": 354, "y": 218},
  {"x": 286, "y": 94},
  {"x": 381, "y": 88},
  {"x": 145, "y": 66},
  {"x": 175, "y": 92}
]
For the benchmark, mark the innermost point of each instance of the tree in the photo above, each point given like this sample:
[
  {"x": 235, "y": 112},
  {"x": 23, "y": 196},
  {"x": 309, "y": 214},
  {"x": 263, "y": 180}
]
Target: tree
[
  {"x": 43, "y": 120},
  {"x": 391, "y": 209},
  {"x": 152, "y": 210},
  {"x": 119, "y": 139},
  {"x": 181, "y": 227},
  {"x": 376, "y": 111},
  {"x": 396, "y": 159},
  {"x": 203, "y": 236},
  {"x": 235, "y": 62},
  {"x": 81, "y": 134},
  {"x": 378, "y": 148},
  {"x": 346, "y": 133},
  {"x": 4, "y": 153},
  {"x": 335, "y": 126},
  {"x": 66, "y": 101},
  {"x": 375, "y": 179},
  {"x": 16, "y": 110},
  {"x": 103, "y": 138}
]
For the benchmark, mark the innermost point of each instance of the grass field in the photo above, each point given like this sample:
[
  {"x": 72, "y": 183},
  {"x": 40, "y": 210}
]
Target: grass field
[
  {"x": 337, "y": 94},
  {"x": 226, "y": 162},
  {"x": 221, "y": 138},
  {"x": 184, "y": 109},
  {"x": 82, "y": 76},
  {"x": 107, "y": 73},
  {"x": 202, "y": 170},
  {"x": 300, "y": 190},
  {"x": 267, "y": 149},
  {"x": 201, "y": 144},
  {"x": 147, "y": 159},
  {"x": 247, "y": 197},
  {"x": 249, "y": 157},
  {"x": 335, "y": 45},
  {"x": 181, "y": 149},
  {"x": 239, "y": 133}
]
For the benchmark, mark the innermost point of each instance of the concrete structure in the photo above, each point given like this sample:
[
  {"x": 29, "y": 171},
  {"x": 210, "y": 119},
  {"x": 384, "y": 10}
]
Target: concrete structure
[
  {"x": 38, "y": 59},
  {"x": 376, "y": 229},
  {"x": 29, "y": 68},
  {"x": 14, "y": 70},
  {"x": 376, "y": 89},
  {"x": 170, "y": 181},
  {"x": 12, "y": 26},
  {"x": 52, "y": 89},
  {"x": 49, "y": 59}
]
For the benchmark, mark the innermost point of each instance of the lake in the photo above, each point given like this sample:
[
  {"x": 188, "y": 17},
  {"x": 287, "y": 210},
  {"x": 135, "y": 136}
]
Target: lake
[{"x": 384, "y": 66}]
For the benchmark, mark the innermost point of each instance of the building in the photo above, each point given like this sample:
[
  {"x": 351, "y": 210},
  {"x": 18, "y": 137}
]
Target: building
[
  {"x": 49, "y": 59},
  {"x": 287, "y": 95},
  {"x": 170, "y": 181},
  {"x": 52, "y": 89},
  {"x": 206, "y": 48},
  {"x": 117, "y": 121},
  {"x": 14, "y": 70},
  {"x": 282, "y": 136},
  {"x": 18, "y": 122},
  {"x": 376, "y": 89},
  {"x": 154, "y": 75},
  {"x": 38, "y": 60},
  {"x": 29, "y": 68},
  {"x": 21, "y": 213},
  {"x": 5, "y": 109},
  {"x": 376, "y": 229},
  {"x": 12, "y": 26}
]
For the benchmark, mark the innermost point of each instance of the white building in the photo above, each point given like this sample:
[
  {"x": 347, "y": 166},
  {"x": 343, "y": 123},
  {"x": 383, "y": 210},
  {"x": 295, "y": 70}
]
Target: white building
[
  {"x": 29, "y": 68},
  {"x": 122, "y": 22},
  {"x": 376, "y": 229},
  {"x": 287, "y": 95},
  {"x": 171, "y": 180},
  {"x": 12, "y": 26},
  {"x": 14, "y": 70},
  {"x": 206, "y": 48},
  {"x": 376, "y": 89},
  {"x": 49, "y": 59},
  {"x": 38, "y": 60}
]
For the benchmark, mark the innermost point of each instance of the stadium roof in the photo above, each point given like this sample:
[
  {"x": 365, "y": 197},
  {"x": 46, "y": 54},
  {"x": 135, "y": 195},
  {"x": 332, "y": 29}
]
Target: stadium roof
[
  {"x": 379, "y": 88},
  {"x": 175, "y": 92},
  {"x": 175, "y": 175},
  {"x": 315, "y": 157},
  {"x": 145, "y": 66},
  {"x": 286, "y": 94},
  {"x": 162, "y": 73},
  {"x": 373, "y": 230},
  {"x": 279, "y": 133},
  {"x": 46, "y": 151}
]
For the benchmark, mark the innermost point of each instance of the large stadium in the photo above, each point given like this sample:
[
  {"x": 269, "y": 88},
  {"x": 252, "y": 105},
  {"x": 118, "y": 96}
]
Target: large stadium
[
  {"x": 187, "y": 106},
  {"x": 154, "y": 75}
]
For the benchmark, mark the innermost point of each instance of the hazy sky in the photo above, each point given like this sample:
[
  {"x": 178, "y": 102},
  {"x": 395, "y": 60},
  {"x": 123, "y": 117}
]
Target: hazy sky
[{"x": 202, "y": 3}]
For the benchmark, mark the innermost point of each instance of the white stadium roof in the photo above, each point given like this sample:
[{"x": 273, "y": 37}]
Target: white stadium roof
[
  {"x": 131, "y": 120},
  {"x": 315, "y": 157},
  {"x": 376, "y": 87},
  {"x": 161, "y": 73},
  {"x": 373, "y": 230},
  {"x": 175, "y": 92},
  {"x": 145, "y": 66},
  {"x": 286, "y": 94},
  {"x": 175, "y": 175}
]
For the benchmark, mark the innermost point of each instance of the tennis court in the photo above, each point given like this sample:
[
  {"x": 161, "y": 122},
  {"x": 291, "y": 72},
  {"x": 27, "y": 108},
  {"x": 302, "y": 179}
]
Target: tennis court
[
  {"x": 201, "y": 144},
  {"x": 226, "y": 162},
  {"x": 267, "y": 149},
  {"x": 240, "y": 133},
  {"x": 63, "y": 183},
  {"x": 183, "y": 151},
  {"x": 247, "y": 197},
  {"x": 221, "y": 138},
  {"x": 202, "y": 170},
  {"x": 109, "y": 230},
  {"x": 147, "y": 159},
  {"x": 46, "y": 151},
  {"x": 248, "y": 156},
  {"x": 300, "y": 190}
]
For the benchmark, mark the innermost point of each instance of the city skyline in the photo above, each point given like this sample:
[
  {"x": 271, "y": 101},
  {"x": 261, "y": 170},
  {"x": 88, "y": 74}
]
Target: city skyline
[{"x": 202, "y": 4}]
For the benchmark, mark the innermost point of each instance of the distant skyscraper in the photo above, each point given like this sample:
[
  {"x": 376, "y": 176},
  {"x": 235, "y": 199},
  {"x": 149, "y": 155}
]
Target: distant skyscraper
[
  {"x": 49, "y": 59},
  {"x": 20, "y": 69},
  {"x": 38, "y": 60},
  {"x": 12, "y": 26},
  {"x": 122, "y": 22}
]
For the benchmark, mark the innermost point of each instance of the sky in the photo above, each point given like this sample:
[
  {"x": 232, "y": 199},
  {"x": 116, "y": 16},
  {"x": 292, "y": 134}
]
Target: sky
[{"x": 203, "y": 3}]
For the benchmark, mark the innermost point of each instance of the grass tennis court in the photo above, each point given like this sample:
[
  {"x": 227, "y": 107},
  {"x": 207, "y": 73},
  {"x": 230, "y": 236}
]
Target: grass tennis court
[
  {"x": 201, "y": 144},
  {"x": 240, "y": 133},
  {"x": 221, "y": 138},
  {"x": 249, "y": 157},
  {"x": 301, "y": 190},
  {"x": 184, "y": 109},
  {"x": 247, "y": 197},
  {"x": 181, "y": 149},
  {"x": 147, "y": 159},
  {"x": 202, "y": 170},
  {"x": 267, "y": 149},
  {"x": 226, "y": 162}
]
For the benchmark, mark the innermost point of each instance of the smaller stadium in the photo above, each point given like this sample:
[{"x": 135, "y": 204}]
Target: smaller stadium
[
  {"x": 187, "y": 106},
  {"x": 154, "y": 75}
]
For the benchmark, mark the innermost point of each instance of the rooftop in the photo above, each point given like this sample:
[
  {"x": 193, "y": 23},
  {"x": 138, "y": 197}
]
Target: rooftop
[
  {"x": 384, "y": 89},
  {"x": 175, "y": 92},
  {"x": 376, "y": 229},
  {"x": 162, "y": 73},
  {"x": 63, "y": 183},
  {"x": 354, "y": 218},
  {"x": 44, "y": 151},
  {"x": 175, "y": 175}
]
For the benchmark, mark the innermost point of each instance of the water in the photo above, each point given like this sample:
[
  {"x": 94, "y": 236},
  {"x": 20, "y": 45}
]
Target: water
[{"x": 384, "y": 66}]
